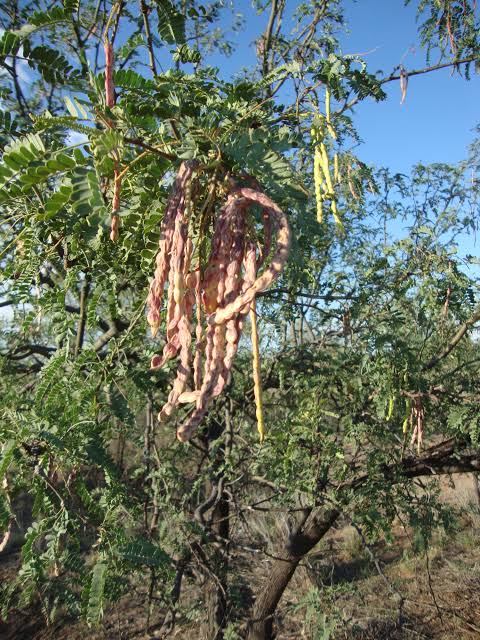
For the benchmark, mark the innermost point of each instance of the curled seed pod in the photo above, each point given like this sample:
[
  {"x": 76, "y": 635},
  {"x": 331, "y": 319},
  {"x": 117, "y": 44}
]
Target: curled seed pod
[
  {"x": 234, "y": 326},
  {"x": 267, "y": 234},
  {"x": 212, "y": 285},
  {"x": 109, "y": 86},
  {"x": 223, "y": 292},
  {"x": 213, "y": 368},
  {"x": 276, "y": 265},
  {"x": 222, "y": 273},
  {"x": 188, "y": 397},
  {"x": 169, "y": 351}
]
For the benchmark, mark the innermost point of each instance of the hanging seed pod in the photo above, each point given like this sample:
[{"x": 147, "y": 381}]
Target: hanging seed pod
[
  {"x": 319, "y": 184},
  {"x": 403, "y": 83},
  {"x": 267, "y": 235},
  {"x": 167, "y": 229},
  {"x": 276, "y": 265},
  {"x": 330, "y": 128},
  {"x": 233, "y": 282},
  {"x": 221, "y": 278},
  {"x": 183, "y": 337},
  {"x": 337, "y": 176},
  {"x": 224, "y": 293},
  {"x": 199, "y": 338},
  {"x": 257, "y": 373}
]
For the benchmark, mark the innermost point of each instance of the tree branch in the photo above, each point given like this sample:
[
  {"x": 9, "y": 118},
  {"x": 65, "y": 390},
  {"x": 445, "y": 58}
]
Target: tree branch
[
  {"x": 453, "y": 342},
  {"x": 151, "y": 55},
  {"x": 445, "y": 458}
]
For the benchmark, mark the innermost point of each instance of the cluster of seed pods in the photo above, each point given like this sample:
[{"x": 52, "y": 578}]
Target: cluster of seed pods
[{"x": 215, "y": 299}]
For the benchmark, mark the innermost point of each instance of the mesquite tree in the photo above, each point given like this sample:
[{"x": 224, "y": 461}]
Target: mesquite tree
[{"x": 139, "y": 190}]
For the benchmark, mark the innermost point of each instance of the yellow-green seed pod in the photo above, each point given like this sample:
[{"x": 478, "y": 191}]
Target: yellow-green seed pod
[
  {"x": 330, "y": 128},
  {"x": 326, "y": 171},
  {"x": 391, "y": 404},
  {"x": 336, "y": 170},
  {"x": 318, "y": 181},
  {"x": 336, "y": 216}
]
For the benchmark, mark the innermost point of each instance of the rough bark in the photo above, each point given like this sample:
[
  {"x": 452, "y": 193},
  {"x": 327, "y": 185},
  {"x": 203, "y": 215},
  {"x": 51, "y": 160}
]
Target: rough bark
[
  {"x": 216, "y": 592},
  {"x": 261, "y": 623},
  {"x": 447, "y": 457},
  {"x": 476, "y": 486}
]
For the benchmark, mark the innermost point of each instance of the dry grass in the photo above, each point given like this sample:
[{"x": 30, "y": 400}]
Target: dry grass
[{"x": 336, "y": 594}]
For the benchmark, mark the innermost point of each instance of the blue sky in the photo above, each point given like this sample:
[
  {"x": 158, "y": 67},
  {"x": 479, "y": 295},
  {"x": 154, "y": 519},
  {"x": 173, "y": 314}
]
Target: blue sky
[
  {"x": 441, "y": 110},
  {"x": 434, "y": 125},
  {"x": 436, "y": 122}
]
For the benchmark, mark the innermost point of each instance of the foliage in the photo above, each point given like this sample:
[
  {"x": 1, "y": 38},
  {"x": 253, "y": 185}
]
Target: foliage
[{"x": 354, "y": 333}]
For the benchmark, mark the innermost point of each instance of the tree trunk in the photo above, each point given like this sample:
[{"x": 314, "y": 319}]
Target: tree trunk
[
  {"x": 216, "y": 600},
  {"x": 261, "y": 624},
  {"x": 476, "y": 486},
  {"x": 216, "y": 590},
  {"x": 446, "y": 457}
]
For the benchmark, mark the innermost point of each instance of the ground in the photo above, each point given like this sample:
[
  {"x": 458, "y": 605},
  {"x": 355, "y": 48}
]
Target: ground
[{"x": 337, "y": 593}]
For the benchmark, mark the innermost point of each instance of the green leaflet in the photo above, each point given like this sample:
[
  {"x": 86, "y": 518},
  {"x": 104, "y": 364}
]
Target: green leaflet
[
  {"x": 50, "y": 374},
  {"x": 6, "y": 457},
  {"x": 143, "y": 552},
  {"x": 9, "y": 44},
  {"x": 96, "y": 596},
  {"x": 86, "y": 195},
  {"x": 25, "y": 166},
  {"x": 55, "y": 203},
  {"x": 171, "y": 23},
  {"x": 129, "y": 79},
  {"x": 8, "y": 123},
  {"x": 50, "y": 63},
  {"x": 41, "y": 19}
]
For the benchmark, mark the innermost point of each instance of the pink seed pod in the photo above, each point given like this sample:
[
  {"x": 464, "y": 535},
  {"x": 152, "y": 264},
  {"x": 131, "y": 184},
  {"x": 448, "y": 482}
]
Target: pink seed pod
[
  {"x": 234, "y": 326},
  {"x": 215, "y": 366},
  {"x": 233, "y": 286},
  {"x": 267, "y": 234},
  {"x": 214, "y": 277},
  {"x": 184, "y": 305},
  {"x": 188, "y": 397},
  {"x": 227, "y": 319},
  {"x": 223, "y": 292},
  {"x": 169, "y": 351},
  {"x": 276, "y": 265},
  {"x": 117, "y": 187},
  {"x": 175, "y": 202},
  {"x": 199, "y": 339},
  {"x": 109, "y": 86},
  {"x": 114, "y": 225},
  {"x": 185, "y": 339}
]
